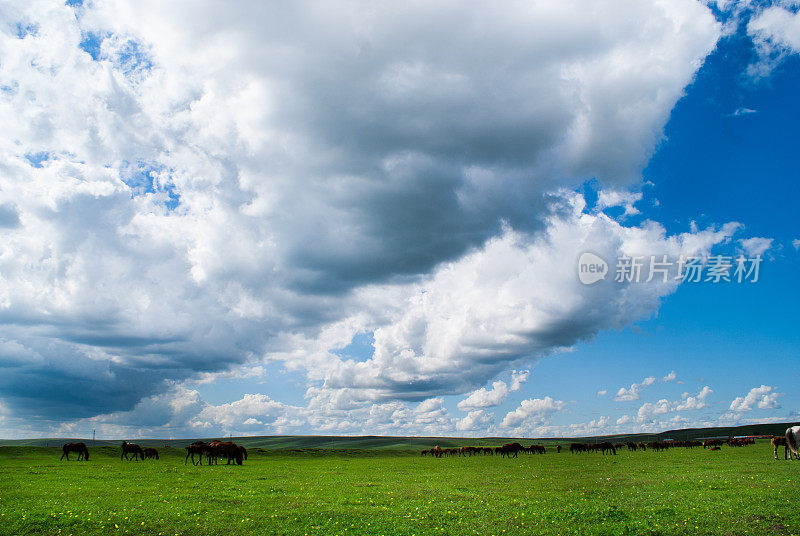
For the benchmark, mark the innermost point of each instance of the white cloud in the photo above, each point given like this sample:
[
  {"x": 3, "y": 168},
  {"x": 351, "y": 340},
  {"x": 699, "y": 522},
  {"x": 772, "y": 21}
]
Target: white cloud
[
  {"x": 649, "y": 411},
  {"x": 518, "y": 378},
  {"x": 632, "y": 393},
  {"x": 775, "y": 32},
  {"x": 231, "y": 184},
  {"x": 743, "y": 111},
  {"x": 483, "y": 398},
  {"x": 475, "y": 420},
  {"x": 532, "y": 412},
  {"x": 626, "y": 200},
  {"x": 755, "y": 246},
  {"x": 695, "y": 402},
  {"x": 763, "y": 397},
  {"x": 796, "y": 244},
  {"x": 602, "y": 392}
]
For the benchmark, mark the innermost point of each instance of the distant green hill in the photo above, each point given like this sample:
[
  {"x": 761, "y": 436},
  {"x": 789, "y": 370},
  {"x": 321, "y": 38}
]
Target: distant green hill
[{"x": 393, "y": 443}]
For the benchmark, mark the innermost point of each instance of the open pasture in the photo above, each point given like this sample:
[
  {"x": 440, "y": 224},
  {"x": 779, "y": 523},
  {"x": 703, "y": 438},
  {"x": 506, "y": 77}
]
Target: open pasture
[{"x": 734, "y": 491}]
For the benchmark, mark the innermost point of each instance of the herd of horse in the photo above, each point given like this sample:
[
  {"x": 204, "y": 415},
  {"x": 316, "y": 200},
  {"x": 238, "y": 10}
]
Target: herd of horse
[
  {"x": 213, "y": 450},
  {"x": 217, "y": 449},
  {"x": 790, "y": 441},
  {"x": 508, "y": 449}
]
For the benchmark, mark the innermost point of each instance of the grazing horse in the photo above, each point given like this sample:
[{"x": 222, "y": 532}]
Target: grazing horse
[
  {"x": 198, "y": 447},
  {"x": 607, "y": 446},
  {"x": 793, "y": 441},
  {"x": 558, "y": 449},
  {"x": 437, "y": 451},
  {"x": 149, "y": 452},
  {"x": 80, "y": 448},
  {"x": 578, "y": 447},
  {"x": 511, "y": 448},
  {"x": 225, "y": 449},
  {"x": 131, "y": 448}
]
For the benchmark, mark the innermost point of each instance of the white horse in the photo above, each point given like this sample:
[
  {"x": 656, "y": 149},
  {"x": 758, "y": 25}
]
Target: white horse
[{"x": 793, "y": 441}]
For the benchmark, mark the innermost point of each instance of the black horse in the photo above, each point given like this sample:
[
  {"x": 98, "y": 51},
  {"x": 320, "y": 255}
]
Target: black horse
[
  {"x": 149, "y": 452},
  {"x": 80, "y": 448}
]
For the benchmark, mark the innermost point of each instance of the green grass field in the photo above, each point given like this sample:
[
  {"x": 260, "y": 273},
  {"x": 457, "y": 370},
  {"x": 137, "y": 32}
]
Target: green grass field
[{"x": 736, "y": 491}]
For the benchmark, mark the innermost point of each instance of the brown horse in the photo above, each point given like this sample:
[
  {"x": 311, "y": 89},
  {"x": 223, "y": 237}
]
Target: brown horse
[
  {"x": 511, "y": 448},
  {"x": 225, "y": 449},
  {"x": 437, "y": 451},
  {"x": 198, "y": 447},
  {"x": 149, "y": 452},
  {"x": 607, "y": 446},
  {"x": 80, "y": 448},
  {"x": 131, "y": 448}
]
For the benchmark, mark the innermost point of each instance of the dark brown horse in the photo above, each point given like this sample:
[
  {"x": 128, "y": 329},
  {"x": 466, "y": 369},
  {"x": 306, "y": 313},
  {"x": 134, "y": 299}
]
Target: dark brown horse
[
  {"x": 607, "y": 446},
  {"x": 149, "y": 452},
  {"x": 511, "y": 448},
  {"x": 80, "y": 448},
  {"x": 198, "y": 447},
  {"x": 226, "y": 449},
  {"x": 131, "y": 448}
]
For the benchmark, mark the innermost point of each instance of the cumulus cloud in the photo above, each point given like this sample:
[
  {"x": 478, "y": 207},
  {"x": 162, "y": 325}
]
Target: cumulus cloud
[
  {"x": 229, "y": 184},
  {"x": 532, "y": 413},
  {"x": 796, "y": 244},
  {"x": 698, "y": 401},
  {"x": 755, "y": 246},
  {"x": 483, "y": 398},
  {"x": 475, "y": 420},
  {"x": 633, "y": 393},
  {"x": 626, "y": 200},
  {"x": 775, "y": 32},
  {"x": 649, "y": 411},
  {"x": 764, "y": 397},
  {"x": 602, "y": 392}
]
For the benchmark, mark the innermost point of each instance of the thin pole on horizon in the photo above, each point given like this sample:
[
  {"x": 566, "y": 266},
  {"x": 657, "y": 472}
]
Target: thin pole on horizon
[{"x": 93, "y": 431}]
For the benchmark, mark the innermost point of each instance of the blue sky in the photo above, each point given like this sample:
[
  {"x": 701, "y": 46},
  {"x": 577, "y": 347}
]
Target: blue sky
[{"x": 282, "y": 220}]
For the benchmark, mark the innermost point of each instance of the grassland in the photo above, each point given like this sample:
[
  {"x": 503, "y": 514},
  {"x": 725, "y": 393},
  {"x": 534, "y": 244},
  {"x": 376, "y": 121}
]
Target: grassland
[{"x": 736, "y": 491}]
